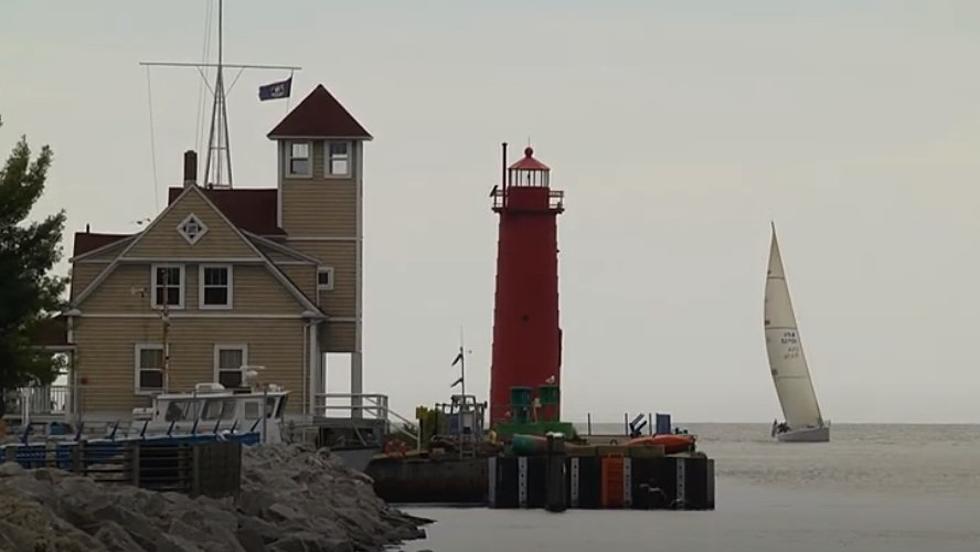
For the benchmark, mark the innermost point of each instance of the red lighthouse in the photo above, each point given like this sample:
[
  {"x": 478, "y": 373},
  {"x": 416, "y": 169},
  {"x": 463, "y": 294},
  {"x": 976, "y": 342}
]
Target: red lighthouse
[{"x": 526, "y": 336}]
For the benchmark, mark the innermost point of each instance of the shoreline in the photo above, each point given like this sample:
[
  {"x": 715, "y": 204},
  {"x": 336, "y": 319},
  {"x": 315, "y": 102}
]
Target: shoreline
[{"x": 292, "y": 498}]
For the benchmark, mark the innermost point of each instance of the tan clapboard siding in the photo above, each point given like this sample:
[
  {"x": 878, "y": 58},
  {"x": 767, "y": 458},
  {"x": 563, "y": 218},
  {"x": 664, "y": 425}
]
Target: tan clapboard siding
[
  {"x": 163, "y": 240},
  {"x": 116, "y": 293},
  {"x": 257, "y": 291},
  {"x": 106, "y": 356},
  {"x": 275, "y": 255},
  {"x": 82, "y": 275},
  {"x": 319, "y": 208},
  {"x": 340, "y": 337},
  {"x": 341, "y": 255},
  {"x": 304, "y": 276},
  {"x": 109, "y": 253},
  {"x": 105, "y": 360}
]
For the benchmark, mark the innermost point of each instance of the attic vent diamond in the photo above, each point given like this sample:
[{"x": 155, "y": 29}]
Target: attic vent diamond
[{"x": 192, "y": 229}]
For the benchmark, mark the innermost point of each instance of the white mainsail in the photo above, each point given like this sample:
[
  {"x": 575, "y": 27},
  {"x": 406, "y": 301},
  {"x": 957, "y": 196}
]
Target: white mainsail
[{"x": 786, "y": 360}]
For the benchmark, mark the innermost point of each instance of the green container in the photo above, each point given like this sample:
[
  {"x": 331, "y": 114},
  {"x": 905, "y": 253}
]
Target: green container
[
  {"x": 520, "y": 404},
  {"x": 507, "y": 430},
  {"x": 549, "y": 394},
  {"x": 520, "y": 396},
  {"x": 528, "y": 445}
]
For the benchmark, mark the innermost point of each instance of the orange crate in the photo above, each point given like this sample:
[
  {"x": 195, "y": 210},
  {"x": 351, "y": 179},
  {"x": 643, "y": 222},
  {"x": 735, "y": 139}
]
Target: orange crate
[{"x": 611, "y": 494}]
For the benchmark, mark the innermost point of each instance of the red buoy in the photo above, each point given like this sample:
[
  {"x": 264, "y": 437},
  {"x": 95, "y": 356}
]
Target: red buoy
[{"x": 526, "y": 334}]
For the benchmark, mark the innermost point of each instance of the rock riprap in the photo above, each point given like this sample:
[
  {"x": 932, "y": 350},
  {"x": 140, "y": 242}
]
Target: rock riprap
[{"x": 292, "y": 499}]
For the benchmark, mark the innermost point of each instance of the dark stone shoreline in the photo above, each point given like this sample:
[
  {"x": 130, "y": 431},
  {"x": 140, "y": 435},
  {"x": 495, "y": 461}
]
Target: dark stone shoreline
[{"x": 292, "y": 499}]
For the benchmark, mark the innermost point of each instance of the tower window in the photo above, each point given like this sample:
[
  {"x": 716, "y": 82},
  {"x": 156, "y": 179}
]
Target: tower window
[
  {"x": 338, "y": 158},
  {"x": 299, "y": 159}
]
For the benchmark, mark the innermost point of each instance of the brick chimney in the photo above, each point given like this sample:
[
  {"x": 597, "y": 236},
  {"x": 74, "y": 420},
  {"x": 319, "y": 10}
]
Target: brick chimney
[{"x": 190, "y": 168}]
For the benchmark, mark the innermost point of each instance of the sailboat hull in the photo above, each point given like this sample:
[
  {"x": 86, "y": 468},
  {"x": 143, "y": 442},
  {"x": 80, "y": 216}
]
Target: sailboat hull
[{"x": 805, "y": 435}]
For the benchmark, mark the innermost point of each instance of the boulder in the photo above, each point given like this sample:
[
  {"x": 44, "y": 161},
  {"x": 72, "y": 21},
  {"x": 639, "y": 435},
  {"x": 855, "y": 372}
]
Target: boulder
[
  {"x": 11, "y": 469},
  {"x": 292, "y": 498},
  {"x": 115, "y": 538},
  {"x": 250, "y": 540}
]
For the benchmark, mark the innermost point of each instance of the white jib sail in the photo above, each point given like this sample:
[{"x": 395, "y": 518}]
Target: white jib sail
[{"x": 786, "y": 360}]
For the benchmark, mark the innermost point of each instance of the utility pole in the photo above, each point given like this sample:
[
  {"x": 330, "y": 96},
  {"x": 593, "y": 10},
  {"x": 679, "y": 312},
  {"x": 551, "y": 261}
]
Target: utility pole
[{"x": 165, "y": 320}]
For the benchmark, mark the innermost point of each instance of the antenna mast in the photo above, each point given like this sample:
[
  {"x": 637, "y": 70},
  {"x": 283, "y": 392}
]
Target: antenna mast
[
  {"x": 219, "y": 148},
  {"x": 217, "y": 164},
  {"x": 462, "y": 365}
]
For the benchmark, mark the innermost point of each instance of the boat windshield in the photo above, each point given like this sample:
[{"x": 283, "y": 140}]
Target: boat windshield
[
  {"x": 182, "y": 410},
  {"x": 219, "y": 409}
]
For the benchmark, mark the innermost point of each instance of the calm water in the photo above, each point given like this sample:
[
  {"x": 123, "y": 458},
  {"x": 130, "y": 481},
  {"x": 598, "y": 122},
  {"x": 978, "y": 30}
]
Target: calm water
[{"x": 873, "y": 488}]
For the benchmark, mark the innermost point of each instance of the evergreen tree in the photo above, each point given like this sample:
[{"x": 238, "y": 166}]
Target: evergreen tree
[{"x": 29, "y": 293}]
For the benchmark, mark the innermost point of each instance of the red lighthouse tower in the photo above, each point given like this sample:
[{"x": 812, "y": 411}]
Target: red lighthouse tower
[{"x": 526, "y": 336}]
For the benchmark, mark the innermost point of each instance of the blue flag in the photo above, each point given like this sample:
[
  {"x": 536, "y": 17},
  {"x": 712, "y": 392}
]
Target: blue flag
[{"x": 276, "y": 90}]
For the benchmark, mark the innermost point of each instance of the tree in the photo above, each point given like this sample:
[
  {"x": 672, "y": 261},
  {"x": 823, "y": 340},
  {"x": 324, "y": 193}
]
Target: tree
[{"x": 30, "y": 294}]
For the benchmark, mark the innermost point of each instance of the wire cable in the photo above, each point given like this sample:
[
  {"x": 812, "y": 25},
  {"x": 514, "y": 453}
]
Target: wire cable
[{"x": 153, "y": 144}]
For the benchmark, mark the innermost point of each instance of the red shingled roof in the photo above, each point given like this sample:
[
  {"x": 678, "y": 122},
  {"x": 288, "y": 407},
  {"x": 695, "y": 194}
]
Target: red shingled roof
[
  {"x": 89, "y": 241},
  {"x": 319, "y": 115},
  {"x": 252, "y": 209}
]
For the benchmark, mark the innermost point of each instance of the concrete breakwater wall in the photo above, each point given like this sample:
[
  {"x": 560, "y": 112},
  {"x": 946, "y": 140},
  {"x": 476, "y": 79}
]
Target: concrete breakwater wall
[
  {"x": 643, "y": 480},
  {"x": 291, "y": 498}
]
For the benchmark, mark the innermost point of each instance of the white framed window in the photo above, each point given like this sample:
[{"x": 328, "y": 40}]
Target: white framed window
[
  {"x": 300, "y": 159},
  {"x": 215, "y": 286},
  {"x": 192, "y": 229},
  {"x": 229, "y": 364},
  {"x": 148, "y": 363},
  {"x": 338, "y": 156},
  {"x": 167, "y": 283},
  {"x": 324, "y": 278}
]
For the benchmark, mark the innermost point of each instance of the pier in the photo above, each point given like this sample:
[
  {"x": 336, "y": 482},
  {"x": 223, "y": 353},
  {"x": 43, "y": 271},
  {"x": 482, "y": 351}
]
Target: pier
[{"x": 586, "y": 477}]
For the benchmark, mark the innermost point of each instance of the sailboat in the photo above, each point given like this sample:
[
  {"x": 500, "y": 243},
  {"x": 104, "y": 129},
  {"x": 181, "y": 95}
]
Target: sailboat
[{"x": 787, "y": 362}]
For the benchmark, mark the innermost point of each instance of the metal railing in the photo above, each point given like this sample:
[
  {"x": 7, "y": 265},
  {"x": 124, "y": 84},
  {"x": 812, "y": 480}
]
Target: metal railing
[
  {"x": 556, "y": 199},
  {"x": 209, "y": 467},
  {"x": 360, "y": 405},
  {"x": 48, "y": 400}
]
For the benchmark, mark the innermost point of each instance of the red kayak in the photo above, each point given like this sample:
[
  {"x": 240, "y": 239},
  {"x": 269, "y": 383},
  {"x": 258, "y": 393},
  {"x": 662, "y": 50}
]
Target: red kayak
[{"x": 672, "y": 443}]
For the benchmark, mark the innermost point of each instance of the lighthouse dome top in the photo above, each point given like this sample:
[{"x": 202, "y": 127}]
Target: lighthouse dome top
[{"x": 529, "y": 163}]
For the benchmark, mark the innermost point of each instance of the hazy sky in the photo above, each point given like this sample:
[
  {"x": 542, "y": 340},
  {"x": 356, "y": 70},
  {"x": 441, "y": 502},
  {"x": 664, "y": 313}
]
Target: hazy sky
[{"x": 677, "y": 130}]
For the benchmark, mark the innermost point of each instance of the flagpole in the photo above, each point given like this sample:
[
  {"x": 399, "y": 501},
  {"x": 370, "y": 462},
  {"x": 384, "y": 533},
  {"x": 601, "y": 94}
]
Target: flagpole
[{"x": 462, "y": 364}]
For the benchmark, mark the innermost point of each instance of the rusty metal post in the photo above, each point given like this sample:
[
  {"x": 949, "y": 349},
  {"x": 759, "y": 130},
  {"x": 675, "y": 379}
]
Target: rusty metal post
[
  {"x": 195, "y": 470},
  {"x": 134, "y": 459},
  {"x": 77, "y": 459}
]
